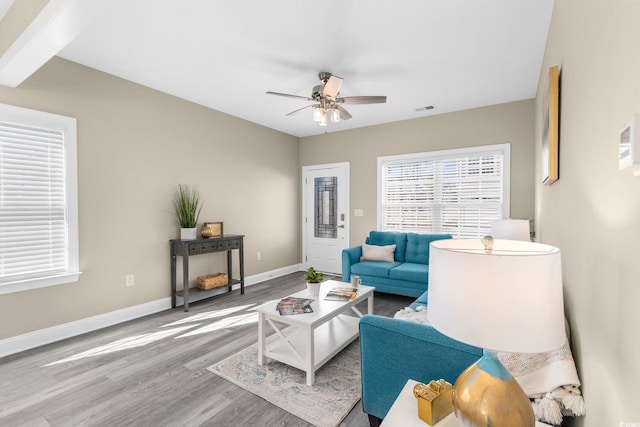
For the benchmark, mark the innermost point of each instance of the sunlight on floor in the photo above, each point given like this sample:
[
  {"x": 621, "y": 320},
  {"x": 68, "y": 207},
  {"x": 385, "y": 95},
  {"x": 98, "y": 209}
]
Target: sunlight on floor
[
  {"x": 243, "y": 319},
  {"x": 194, "y": 322},
  {"x": 210, "y": 315},
  {"x": 123, "y": 344}
]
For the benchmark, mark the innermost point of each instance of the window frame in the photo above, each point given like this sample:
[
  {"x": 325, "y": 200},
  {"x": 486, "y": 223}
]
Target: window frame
[
  {"x": 504, "y": 148},
  {"x": 68, "y": 125}
]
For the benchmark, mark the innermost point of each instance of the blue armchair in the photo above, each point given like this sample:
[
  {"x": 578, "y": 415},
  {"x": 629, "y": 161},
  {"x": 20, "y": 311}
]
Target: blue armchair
[{"x": 394, "y": 350}]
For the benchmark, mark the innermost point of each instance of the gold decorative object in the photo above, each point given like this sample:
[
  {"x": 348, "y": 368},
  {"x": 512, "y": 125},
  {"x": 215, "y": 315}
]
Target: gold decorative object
[
  {"x": 211, "y": 230},
  {"x": 486, "y": 395},
  {"x": 434, "y": 400}
]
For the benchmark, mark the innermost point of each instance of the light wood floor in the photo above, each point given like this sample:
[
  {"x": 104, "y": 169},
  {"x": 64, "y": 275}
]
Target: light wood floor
[{"x": 146, "y": 372}]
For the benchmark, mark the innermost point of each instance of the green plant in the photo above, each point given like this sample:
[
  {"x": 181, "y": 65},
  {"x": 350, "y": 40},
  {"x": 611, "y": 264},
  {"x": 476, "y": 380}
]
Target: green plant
[
  {"x": 188, "y": 207},
  {"x": 313, "y": 276}
]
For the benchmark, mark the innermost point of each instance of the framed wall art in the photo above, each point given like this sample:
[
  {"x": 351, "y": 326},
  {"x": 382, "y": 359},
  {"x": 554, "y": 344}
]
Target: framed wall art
[{"x": 551, "y": 127}]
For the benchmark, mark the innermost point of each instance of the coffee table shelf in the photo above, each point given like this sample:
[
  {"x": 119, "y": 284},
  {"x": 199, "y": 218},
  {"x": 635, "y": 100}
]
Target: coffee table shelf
[
  {"x": 329, "y": 339},
  {"x": 308, "y": 341}
]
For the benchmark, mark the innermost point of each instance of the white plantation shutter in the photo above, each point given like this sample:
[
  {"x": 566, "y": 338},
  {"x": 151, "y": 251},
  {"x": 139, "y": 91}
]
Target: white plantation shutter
[
  {"x": 38, "y": 219},
  {"x": 454, "y": 191}
]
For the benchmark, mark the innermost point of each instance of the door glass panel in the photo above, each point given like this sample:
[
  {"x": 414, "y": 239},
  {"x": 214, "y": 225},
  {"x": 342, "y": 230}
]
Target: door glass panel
[{"x": 326, "y": 215}]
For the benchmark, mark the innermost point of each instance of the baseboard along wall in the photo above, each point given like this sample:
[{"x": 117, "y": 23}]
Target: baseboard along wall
[{"x": 52, "y": 334}]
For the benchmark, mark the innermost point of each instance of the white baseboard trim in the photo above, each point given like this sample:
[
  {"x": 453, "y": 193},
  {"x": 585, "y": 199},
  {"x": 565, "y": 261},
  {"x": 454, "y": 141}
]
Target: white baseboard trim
[
  {"x": 67, "y": 330},
  {"x": 52, "y": 334},
  {"x": 267, "y": 275}
]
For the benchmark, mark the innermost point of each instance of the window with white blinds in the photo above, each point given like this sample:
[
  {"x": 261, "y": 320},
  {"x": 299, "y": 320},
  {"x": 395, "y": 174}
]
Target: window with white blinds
[
  {"x": 453, "y": 191},
  {"x": 38, "y": 199}
]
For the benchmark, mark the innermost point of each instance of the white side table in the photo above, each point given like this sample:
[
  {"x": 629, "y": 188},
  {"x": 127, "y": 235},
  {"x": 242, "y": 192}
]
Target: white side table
[{"x": 404, "y": 412}]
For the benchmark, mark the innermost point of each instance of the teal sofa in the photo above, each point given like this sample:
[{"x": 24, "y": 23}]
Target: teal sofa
[
  {"x": 407, "y": 275},
  {"x": 393, "y": 351}
]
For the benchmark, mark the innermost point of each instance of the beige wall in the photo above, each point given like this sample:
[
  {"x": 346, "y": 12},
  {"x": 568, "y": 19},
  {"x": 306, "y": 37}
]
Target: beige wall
[
  {"x": 512, "y": 123},
  {"x": 17, "y": 19},
  {"x": 592, "y": 213},
  {"x": 135, "y": 145}
]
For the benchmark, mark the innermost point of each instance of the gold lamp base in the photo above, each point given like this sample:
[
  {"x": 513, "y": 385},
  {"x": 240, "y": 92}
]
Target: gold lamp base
[{"x": 486, "y": 395}]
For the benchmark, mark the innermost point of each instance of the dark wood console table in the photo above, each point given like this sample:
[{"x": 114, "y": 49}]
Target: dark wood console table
[{"x": 187, "y": 248}]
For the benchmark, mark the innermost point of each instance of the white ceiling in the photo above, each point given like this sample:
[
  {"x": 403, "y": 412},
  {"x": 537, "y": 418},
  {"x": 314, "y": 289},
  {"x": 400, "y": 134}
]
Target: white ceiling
[{"x": 452, "y": 54}]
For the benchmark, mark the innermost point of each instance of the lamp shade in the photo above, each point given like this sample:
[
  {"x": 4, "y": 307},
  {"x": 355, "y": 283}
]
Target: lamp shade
[
  {"x": 507, "y": 300},
  {"x": 511, "y": 229}
]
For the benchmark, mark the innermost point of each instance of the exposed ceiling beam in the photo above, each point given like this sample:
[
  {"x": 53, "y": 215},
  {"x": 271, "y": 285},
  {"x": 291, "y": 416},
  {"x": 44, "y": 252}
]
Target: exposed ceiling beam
[{"x": 57, "y": 24}]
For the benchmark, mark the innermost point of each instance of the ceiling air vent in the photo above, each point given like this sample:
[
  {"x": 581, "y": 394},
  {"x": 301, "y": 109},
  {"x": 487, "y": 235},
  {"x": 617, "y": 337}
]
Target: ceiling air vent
[{"x": 427, "y": 108}]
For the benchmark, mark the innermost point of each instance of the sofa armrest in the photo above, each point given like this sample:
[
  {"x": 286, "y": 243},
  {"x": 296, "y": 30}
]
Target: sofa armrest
[
  {"x": 350, "y": 256},
  {"x": 393, "y": 351}
]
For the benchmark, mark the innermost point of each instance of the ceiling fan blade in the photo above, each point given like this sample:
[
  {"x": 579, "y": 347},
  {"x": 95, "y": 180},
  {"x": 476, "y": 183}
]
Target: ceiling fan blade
[
  {"x": 332, "y": 87},
  {"x": 344, "y": 114},
  {"x": 362, "y": 100},
  {"x": 306, "y": 98},
  {"x": 298, "y": 110}
]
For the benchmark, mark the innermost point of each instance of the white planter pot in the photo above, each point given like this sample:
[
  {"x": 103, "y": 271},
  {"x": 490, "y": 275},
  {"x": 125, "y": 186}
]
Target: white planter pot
[
  {"x": 188, "y": 233},
  {"x": 313, "y": 289}
]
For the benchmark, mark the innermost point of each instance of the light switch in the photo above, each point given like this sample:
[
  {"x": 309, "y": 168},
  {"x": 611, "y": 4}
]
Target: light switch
[{"x": 358, "y": 212}]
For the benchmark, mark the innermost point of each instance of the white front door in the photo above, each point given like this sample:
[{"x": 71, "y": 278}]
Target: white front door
[{"x": 325, "y": 219}]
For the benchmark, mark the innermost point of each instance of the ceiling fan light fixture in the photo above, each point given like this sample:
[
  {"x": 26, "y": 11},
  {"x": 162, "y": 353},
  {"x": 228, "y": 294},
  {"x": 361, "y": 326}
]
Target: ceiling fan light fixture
[
  {"x": 323, "y": 117},
  {"x": 326, "y": 101},
  {"x": 317, "y": 114},
  {"x": 335, "y": 115}
]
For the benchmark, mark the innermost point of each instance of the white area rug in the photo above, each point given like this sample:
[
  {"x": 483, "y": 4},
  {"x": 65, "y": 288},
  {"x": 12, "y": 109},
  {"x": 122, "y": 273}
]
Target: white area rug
[{"x": 325, "y": 404}]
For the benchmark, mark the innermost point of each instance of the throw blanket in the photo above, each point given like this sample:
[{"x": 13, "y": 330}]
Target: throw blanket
[{"x": 549, "y": 379}]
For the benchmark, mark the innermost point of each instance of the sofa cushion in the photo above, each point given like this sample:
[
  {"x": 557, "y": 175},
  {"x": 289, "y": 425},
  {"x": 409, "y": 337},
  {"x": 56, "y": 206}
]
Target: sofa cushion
[
  {"x": 383, "y": 238},
  {"x": 418, "y": 246},
  {"x": 411, "y": 272},
  {"x": 373, "y": 268},
  {"x": 377, "y": 253}
]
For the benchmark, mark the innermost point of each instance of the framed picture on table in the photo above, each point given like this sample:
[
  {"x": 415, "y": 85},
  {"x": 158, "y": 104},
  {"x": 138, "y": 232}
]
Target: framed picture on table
[{"x": 212, "y": 230}]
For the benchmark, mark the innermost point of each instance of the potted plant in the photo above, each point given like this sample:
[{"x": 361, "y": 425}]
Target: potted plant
[
  {"x": 188, "y": 207},
  {"x": 313, "y": 279}
]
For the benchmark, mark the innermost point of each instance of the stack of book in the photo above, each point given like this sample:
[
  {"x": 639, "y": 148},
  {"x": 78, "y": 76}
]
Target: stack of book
[
  {"x": 341, "y": 294},
  {"x": 294, "y": 305}
]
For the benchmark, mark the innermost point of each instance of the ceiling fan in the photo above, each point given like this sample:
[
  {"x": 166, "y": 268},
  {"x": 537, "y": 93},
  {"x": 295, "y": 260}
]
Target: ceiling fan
[{"x": 327, "y": 102}]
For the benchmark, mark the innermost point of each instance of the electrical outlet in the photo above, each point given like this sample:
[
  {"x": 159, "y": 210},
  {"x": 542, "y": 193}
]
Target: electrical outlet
[
  {"x": 128, "y": 280},
  {"x": 258, "y": 256}
]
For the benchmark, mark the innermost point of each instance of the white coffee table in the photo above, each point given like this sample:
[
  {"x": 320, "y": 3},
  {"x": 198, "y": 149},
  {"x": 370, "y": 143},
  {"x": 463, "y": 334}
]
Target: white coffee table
[{"x": 310, "y": 340}]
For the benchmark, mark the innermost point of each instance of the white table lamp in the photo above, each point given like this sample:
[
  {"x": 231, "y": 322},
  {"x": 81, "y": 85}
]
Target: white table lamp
[{"x": 505, "y": 299}]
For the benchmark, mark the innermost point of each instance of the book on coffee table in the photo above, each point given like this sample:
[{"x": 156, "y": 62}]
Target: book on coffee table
[
  {"x": 341, "y": 294},
  {"x": 293, "y": 305}
]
